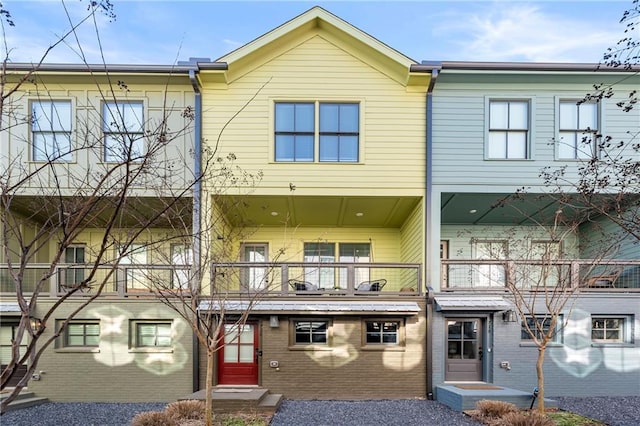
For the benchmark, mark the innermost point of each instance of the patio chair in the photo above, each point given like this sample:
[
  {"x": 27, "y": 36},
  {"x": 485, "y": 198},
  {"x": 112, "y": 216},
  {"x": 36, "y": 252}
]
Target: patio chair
[
  {"x": 604, "y": 280},
  {"x": 297, "y": 285},
  {"x": 373, "y": 285}
]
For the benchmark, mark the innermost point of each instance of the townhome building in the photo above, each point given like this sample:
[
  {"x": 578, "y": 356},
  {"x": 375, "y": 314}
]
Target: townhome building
[
  {"x": 362, "y": 214},
  {"x": 496, "y": 130}
]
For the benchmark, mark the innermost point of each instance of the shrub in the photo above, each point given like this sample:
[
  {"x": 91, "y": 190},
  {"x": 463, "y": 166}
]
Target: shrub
[
  {"x": 153, "y": 418},
  {"x": 186, "y": 410},
  {"x": 495, "y": 409},
  {"x": 525, "y": 418}
]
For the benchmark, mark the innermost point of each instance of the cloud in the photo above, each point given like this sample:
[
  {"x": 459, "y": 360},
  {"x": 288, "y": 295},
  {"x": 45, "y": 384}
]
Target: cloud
[{"x": 522, "y": 32}]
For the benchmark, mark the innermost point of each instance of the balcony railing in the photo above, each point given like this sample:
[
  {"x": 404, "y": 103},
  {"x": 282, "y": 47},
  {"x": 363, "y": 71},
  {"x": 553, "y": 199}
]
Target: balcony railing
[
  {"x": 301, "y": 278},
  {"x": 588, "y": 274},
  {"x": 121, "y": 280}
]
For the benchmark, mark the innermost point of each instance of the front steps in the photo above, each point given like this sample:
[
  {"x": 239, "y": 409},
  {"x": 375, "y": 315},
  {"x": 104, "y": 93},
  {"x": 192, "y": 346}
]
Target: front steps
[
  {"x": 463, "y": 397},
  {"x": 24, "y": 400},
  {"x": 245, "y": 399}
]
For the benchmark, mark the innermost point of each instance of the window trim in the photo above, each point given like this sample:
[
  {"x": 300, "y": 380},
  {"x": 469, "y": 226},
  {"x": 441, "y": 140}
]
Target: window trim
[
  {"x": 627, "y": 330},
  {"x": 105, "y": 132},
  {"x": 401, "y": 340},
  {"x": 134, "y": 345},
  {"x": 327, "y": 345},
  {"x": 558, "y": 100},
  {"x": 316, "y": 130},
  {"x": 70, "y": 132},
  {"x": 530, "y": 134}
]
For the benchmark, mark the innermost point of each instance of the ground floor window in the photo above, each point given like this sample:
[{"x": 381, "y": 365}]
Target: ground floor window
[
  {"x": 383, "y": 332},
  {"x": 610, "y": 329},
  {"x": 311, "y": 332},
  {"x": 152, "y": 334},
  {"x": 539, "y": 326},
  {"x": 82, "y": 334}
]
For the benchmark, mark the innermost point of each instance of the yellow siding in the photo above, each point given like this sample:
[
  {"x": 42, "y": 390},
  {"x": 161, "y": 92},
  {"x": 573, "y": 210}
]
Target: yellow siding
[
  {"x": 391, "y": 129},
  {"x": 412, "y": 243}
]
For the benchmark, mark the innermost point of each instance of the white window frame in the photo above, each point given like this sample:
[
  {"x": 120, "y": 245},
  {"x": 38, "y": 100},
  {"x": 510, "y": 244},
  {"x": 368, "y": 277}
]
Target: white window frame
[
  {"x": 579, "y": 149},
  {"x": 626, "y": 330},
  {"x": 528, "y": 131},
  {"x": 120, "y": 139},
  {"x": 55, "y": 135}
]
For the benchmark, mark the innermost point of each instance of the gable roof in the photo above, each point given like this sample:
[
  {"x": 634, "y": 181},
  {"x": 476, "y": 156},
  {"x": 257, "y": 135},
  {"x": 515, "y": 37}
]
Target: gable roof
[{"x": 319, "y": 22}]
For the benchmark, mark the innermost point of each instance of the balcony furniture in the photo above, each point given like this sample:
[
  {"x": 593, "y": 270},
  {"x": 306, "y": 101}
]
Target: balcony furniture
[
  {"x": 605, "y": 280},
  {"x": 373, "y": 285},
  {"x": 298, "y": 285}
]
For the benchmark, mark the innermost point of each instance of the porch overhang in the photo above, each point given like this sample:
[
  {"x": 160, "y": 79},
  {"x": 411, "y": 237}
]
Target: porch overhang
[
  {"x": 472, "y": 303},
  {"x": 313, "y": 307},
  {"x": 10, "y": 308}
]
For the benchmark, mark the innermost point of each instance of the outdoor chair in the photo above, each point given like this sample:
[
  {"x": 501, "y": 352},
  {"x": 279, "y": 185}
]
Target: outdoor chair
[
  {"x": 373, "y": 285},
  {"x": 298, "y": 285},
  {"x": 605, "y": 280}
]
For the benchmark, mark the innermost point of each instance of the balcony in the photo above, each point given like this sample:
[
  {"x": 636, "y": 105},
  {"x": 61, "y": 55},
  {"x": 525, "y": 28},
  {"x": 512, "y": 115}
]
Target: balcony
[
  {"x": 588, "y": 274},
  {"x": 228, "y": 279},
  {"x": 313, "y": 279}
]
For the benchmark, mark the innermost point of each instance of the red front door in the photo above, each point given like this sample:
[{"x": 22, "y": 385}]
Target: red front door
[{"x": 239, "y": 355}]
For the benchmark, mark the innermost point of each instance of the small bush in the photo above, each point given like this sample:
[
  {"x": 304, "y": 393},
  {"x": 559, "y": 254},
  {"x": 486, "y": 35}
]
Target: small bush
[
  {"x": 186, "y": 410},
  {"x": 525, "y": 418},
  {"x": 495, "y": 409},
  {"x": 153, "y": 418}
]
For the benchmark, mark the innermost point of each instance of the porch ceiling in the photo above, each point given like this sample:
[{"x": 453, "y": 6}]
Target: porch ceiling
[
  {"x": 502, "y": 209},
  {"x": 387, "y": 212}
]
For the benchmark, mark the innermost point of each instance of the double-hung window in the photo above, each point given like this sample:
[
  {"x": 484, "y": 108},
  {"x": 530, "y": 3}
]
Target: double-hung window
[
  {"x": 329, "y": 131},
  {"x": 540, "y": 327},
  {"x": 123, "y": 128},
  {"x": 51, "y": 130},
  {"x": 508, "y": 129},
  {"x": 578, "y": 125},
  {"x": 387, "y": 332}
]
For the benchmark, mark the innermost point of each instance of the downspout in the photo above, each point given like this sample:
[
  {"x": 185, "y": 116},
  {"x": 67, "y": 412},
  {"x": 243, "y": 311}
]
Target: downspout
[
  {"x": 428, "y": 225},
  {"x": 197, "y": 195}
]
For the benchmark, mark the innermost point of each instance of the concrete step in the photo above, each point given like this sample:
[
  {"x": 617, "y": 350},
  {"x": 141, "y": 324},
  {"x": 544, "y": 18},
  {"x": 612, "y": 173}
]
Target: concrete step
[
  {"x": 270, "y": 403},
  {"x": 25, "y": 399},
  {"x": 231, "y": 399},
  {"x": 465, "y": 397}
]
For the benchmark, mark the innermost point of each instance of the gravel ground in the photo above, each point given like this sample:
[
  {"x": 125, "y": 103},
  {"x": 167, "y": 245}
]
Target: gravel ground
[{"x": 615, "y": 411}]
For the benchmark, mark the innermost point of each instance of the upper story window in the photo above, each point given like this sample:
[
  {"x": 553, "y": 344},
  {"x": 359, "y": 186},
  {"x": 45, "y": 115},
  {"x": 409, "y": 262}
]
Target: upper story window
[
  {"x": 122, "y": 125},
  {"x": 51, "y": 130},
  {"x": 578, "y": 125},
  {"x": 508, "y": 129},
  {"x": 336, "y": 128}
]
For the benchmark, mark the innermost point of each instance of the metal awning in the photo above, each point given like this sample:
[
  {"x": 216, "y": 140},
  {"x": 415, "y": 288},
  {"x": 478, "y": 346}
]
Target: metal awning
[
  {"x": 10, "y": 308},
  {"x": 309, "y": 307},
  {"x": 472, "y": 303}
]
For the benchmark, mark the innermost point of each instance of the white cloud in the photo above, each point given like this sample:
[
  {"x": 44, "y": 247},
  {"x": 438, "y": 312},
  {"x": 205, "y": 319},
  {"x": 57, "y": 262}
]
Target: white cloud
[{"x": 522, "y": 32}]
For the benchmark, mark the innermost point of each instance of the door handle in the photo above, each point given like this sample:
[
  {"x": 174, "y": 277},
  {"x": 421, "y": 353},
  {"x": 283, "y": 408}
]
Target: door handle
[
  {"x": 258, "y": 353},
  {"x": 480, "y": 353}
]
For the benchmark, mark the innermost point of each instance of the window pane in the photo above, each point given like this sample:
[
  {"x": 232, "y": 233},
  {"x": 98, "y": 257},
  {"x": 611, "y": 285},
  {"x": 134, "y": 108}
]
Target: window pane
[
  {"x": 133, "y": 119},
  {"x": 568, "y": 115},
  {"x": 517, "y": 145},
  {"x": 354, "y": 252},
  {"x": 246, "y": 353},
  {"x": 566, "y": 145},
  {"x": 469, "y": 349},
  {"x": 348, "y": 148},
  {"x": 597, "y": 334},
  {"x": 329, "y": 148},
  {"x": 304, "y": 117},
  {"x": 518, "y": 115},
  {"x": 231, "y": 353},
  {"x": 498, "y": 114},
  {"x": 61, "y": 116},
  {"x": 284, "y": 147},
  {"x": 92, "y": 341},
  {"x": 349, "y": 118},
  {"x": 329, "y": 118},
  {"x": 588, "y": 116},
  {"x": 497, "y": 145},
  {"x": 304, "y": 148},
  {"x": 246, "y": 335},
  {"x": 284, "y": 117}
]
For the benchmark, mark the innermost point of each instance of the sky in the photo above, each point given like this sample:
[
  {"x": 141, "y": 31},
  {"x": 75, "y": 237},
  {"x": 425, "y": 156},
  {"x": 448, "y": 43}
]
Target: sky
[{"x": 164, "y": 31}]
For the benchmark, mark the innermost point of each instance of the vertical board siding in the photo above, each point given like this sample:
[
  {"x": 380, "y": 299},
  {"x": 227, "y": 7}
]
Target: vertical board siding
[{"x": 391, "y": 128}]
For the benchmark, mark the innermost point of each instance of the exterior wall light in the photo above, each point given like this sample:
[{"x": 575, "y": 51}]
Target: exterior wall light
[
  {"x": 509, "y": 316},
  {"x": 35, "y": 324},
  {"x": 274, "y": 322}
]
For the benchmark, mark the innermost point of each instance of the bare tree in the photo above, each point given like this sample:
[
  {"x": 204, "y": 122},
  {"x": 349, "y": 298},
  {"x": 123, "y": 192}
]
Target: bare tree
[{"x": 46, "y": 205}]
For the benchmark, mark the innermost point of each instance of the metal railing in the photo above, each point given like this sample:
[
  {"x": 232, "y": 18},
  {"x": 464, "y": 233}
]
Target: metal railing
[
  {"x": 589, "y": 274},
  {"x": 306, "y": 278}
]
